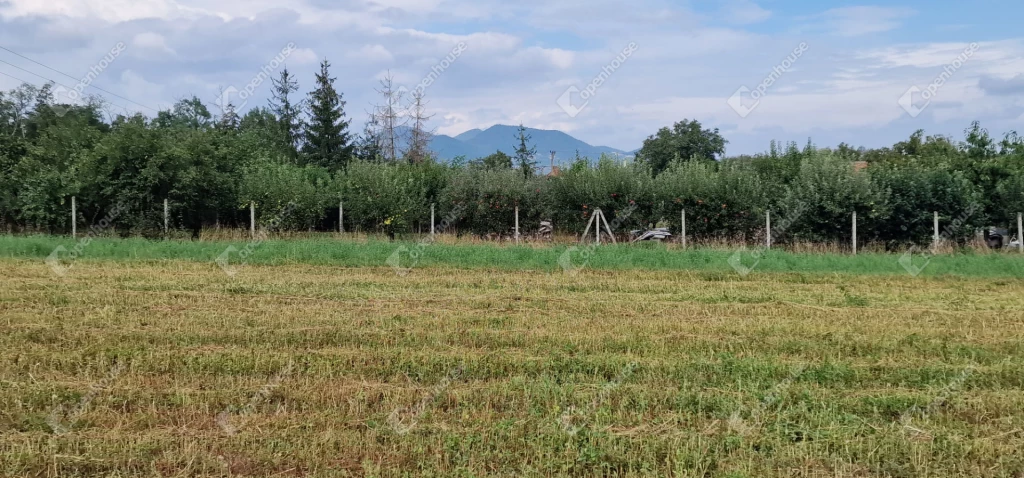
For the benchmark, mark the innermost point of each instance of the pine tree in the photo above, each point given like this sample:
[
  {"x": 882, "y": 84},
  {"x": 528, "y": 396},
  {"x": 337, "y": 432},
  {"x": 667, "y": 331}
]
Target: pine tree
[
  {"x": 368, "y": 147},
  {"x": 229, "y": 119},
  {"x": 287, "y": 113},
  {"x": 525, "y": 153},
  {"x": 327, "y": 140}
]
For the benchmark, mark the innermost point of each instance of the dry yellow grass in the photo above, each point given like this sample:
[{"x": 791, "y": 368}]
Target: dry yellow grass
[{"x": 325, "y": 371}]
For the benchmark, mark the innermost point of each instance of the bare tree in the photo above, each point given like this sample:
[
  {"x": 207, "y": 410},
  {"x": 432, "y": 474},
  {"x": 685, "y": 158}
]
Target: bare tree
[
  {"x": 389, "y": 117},
  {"x": 419, "y": 137}
]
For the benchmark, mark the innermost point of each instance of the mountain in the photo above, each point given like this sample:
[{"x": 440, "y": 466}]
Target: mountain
[
  {"x": 469, "y": 135},
  {"x": 477, "y": 143}
]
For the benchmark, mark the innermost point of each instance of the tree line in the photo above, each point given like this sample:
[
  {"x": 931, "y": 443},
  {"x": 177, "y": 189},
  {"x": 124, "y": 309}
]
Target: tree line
[{"x": 211, "y": 166}]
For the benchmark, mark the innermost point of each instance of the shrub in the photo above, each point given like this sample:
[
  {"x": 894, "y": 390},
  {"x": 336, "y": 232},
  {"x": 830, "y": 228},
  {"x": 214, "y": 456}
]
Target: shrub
[
  {"x": 819, "y": 203},
  {"x": 914, "y": 193},
  {"x": 721, "y": 200},
  {"x": 483, "y": 201},
  {"x": 610, "y": 186}
]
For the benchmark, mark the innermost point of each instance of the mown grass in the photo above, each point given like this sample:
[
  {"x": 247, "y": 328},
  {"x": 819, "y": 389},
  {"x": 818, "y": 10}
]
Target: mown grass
[
  {"x": 453, "y": 372},
  {"x": 375, "y": 253}
]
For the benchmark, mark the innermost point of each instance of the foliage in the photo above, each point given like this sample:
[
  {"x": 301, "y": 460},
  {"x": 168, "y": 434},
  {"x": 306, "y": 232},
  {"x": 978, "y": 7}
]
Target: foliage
[
  {"x": 389, "y": 197},
  {"x": 726, "y": 200},
  {"x": 209, "y": 168},
  {"x": 483, "y": 201},
  {"x": 686, "y": 141},
  {"x": 819, "y": 203},
  {"x": 327, "y": 142},
  {"x": 915, "y": 192},
  {"x": 525, "y": 153},
  {"x": 610, "y": 186}
]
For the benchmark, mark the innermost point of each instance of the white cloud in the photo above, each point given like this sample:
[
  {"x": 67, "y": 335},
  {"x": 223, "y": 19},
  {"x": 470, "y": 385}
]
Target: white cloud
[
  {"x": 744, "y": 12},
  {"x": 860, "y": 20},
  {"x": 150, "y": 41},
  {"x": 524, "y": 55}
]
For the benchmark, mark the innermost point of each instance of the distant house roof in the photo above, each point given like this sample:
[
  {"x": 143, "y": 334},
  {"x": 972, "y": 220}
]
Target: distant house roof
[{"x": 860, "y": 165}]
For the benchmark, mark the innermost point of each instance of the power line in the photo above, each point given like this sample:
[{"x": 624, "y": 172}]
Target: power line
[
  {"x": 47, "y": 79},
  {"x": 69, "y": 76},
  {"x": 15, "y": 77}
]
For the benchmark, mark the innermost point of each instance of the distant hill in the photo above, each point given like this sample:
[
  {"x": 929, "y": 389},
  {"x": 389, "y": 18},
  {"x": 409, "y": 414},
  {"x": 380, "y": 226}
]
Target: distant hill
[{"x": 477, "y": 143}]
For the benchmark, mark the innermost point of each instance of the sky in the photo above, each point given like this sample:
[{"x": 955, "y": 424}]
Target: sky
[{"x": 610, "y": 73}]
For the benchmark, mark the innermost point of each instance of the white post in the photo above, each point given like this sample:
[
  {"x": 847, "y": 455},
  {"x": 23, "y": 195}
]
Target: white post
[
  {"x": 768, "y": 225},
  {"x": 74, "y": 218},
  {"x": 252, "y": 219},
  {"x": 935, "y": 241},
  {"x": 684, "y": 228},
  {"x": 341, "y": 217},
  {"x": 431, "y": 219},
  {"x": 597, "y": 230},
  {"x": 854, "y": 232},
  {"x": 167, "y": 221},
  {"x": 1020, "y": 232},
  {"x": 517, "y": 224}
]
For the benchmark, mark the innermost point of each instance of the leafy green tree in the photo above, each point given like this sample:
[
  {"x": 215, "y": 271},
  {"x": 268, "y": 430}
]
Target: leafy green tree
[
  {"x": 610, "y": 186},
  {"x": 686, "y": 141},
  {"x": 388, "y": 198},
  {"x": 483, "y": 201},
  {"x": 915, "y": 191},
  {"x": 498, "y": 160},
  {"x": 272, "y": 186},
  {"x": 327, "y": 141},
  {"x": 725, "y": 200},
  {"x": 819, "y": 203}
]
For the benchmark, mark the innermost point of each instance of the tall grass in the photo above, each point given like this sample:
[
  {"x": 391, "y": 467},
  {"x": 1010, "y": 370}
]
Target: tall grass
[{"x": 365, "y": 251}]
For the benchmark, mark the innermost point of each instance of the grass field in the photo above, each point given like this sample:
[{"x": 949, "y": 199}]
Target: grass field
[
  {"x": 173, "y": 368},
  {"x": 542, "y": 258}
]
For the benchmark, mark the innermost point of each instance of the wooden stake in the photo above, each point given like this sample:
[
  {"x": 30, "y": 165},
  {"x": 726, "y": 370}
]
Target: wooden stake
[
  {"x": 597, "y": 228},
  {"x": 768, "y": 225},
  {"x": 252, "y": 219},
  {"x": 855, "y": 233},
  {"x": 608, "y": 228},
  {"x": 1020, "y": 232},
  {"x": 684, "y": 228},
  {"x": 167, "y": 220},
  {"x": 517, "y": 224},
  {"x": 431, "y": 220},
  {"x": 74, "y": 218},
  {"x": 589, "y": 223},
  {"x": 935, "y": 241}
]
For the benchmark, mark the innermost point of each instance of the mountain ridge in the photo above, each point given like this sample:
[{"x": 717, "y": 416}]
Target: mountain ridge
[{"x": 477, "y": 143}]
